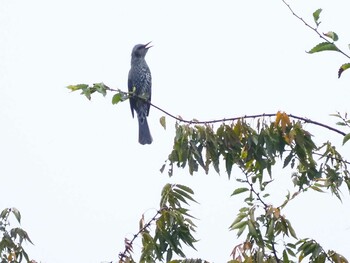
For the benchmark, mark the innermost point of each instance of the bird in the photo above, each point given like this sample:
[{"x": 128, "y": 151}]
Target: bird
[{"x": 140, "y": 85}]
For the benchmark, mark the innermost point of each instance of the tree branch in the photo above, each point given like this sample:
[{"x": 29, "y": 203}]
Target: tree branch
[
  {"x": 315, "y": 29},
  {"x": 233, "y": 118},
  {"x": 128, "y": 244}
]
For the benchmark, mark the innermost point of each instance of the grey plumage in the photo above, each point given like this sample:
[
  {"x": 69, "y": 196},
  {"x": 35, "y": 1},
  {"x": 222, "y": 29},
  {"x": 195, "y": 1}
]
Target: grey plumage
[{"x": 140, "y": 81}]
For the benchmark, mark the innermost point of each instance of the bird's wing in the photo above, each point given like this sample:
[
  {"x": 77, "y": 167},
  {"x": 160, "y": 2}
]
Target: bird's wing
[
  {"x": 149, "y": 89},
  {"x": 130, "y": 88}
]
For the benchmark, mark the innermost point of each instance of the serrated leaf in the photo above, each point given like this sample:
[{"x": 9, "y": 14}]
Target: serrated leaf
[
  {"x": 116, "y": 98},
  {"x": 239, "y": 191},
  {"x": 162, "y": 122},
  {"x": 343, "y": 68},
  {"x": 316, "y": 15},
  {"x": 324, "y": 46},
  {"x": 332, "y": 35},
  {"x": 346, "y": 138}
]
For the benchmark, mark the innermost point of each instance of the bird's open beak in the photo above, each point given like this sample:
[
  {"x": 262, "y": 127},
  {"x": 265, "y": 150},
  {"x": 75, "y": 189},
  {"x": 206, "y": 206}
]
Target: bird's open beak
[{"x": 146, "y": 45}]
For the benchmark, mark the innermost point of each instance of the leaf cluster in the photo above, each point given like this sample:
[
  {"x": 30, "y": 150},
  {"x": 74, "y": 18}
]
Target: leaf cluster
[
  {"x": 329, "y": 38},
  {"x": 173, "y": 227},
  {"x": 11, "y": 244},
  {"x": 255, "y": 149}
]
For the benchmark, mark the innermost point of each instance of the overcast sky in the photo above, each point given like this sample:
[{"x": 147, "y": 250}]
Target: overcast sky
[{"x": 74, "y": 167}]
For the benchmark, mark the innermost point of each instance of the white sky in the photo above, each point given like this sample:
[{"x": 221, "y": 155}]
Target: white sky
[{"x": 74, "y": 168}]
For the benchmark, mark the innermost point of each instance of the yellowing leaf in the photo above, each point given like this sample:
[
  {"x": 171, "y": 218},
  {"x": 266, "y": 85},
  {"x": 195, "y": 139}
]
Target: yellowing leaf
[
  {"x": 162, "y": 122},
  {"x": 278, "y": 118}
]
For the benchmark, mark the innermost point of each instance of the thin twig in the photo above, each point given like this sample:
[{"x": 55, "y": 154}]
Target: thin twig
[
  {"x": 266, "y": 206},
  {"x": 123, "y": 255},
  {"x": 315, "y": 29}
]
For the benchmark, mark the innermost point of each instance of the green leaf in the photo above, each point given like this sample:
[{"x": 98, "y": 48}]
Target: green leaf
[
  {"x": 239, "y": 225},
  {"x": 162, "y": 122},
  {"x": 185, "y": 188},
  {"x": 343, "y": 68},
  {"x": 346, "y": 138},
  {"x": 16, "y": 213},
  {"x": 87, "y": 92},
  {"x": 5, "y": 213},
  {"x": 332, "y": 35},
  {"x": 288, "y": 159},
  {"x": 239, "y": 191},
  {"x": 252, "y": 229},
  {"x": 169, "y": 255},
  {"x": 116, "y": 98},
  {"x": 324, "y": 46},
  {"x": 290, "y": 252},
  {"x": 100, "y": 87},
  {"x": 291, "y": 229},
  {"x": 185, "y": 195},
  {"x": 316, "y": 16},
  {"x": 313, "y": 187}
]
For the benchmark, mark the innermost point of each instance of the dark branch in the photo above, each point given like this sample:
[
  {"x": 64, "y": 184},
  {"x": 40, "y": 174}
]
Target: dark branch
[
  {"x": 123, "y": 255},
  {"x": 233, "y": 118}
]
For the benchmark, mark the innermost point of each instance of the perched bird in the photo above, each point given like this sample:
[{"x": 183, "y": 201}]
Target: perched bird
[{"x": 140, "y": 82}]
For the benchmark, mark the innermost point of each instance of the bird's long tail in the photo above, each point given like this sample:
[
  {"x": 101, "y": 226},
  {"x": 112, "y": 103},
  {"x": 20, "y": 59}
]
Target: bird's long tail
[{"x": 145, "y": 136}]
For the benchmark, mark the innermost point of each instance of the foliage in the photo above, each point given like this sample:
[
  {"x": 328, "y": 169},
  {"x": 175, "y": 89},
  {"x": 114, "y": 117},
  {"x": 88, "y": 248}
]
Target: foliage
[
  {"x": 173, "y": 226},
  {"x": 11, "y": 249},
  {"x": 328, "y": 39},
  {"x": 254, "y": 148}
]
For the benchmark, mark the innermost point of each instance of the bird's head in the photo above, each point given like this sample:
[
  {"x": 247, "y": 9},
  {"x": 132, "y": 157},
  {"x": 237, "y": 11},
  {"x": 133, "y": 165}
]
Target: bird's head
[{"x": 140, "y": 50}]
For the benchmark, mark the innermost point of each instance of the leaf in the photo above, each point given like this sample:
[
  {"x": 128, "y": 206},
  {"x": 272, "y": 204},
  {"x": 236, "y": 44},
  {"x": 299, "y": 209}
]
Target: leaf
[
  {"x": 324, "y": 46},
  {"x": 239, "y": 191},
  {"x": 184, "y": 195},
  {"x": 116, "y": 98},
  {"x": 291, "y": 229},
  {"x": 288, "y": 159},
  {"x": 87, "y": 92},
  {"x": 162, "y": 122},
  {"x": 5, "y": 213},
  {"x": 332, "y": 35},
  {"x": 16, "y": 213},
  {"x": 316, "y": 15},
  {"x": 343, "y": 68},
  {"x": 185, "y": 188},
  {"x": 316, "y": 188},
  {"x": 346, "y": 138},
  {"x": 100, "y": 87},
  {"x": 239, "y": 225},
  {"x": 162, "y": 168},
  {"x": 77, "y": 87}
]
